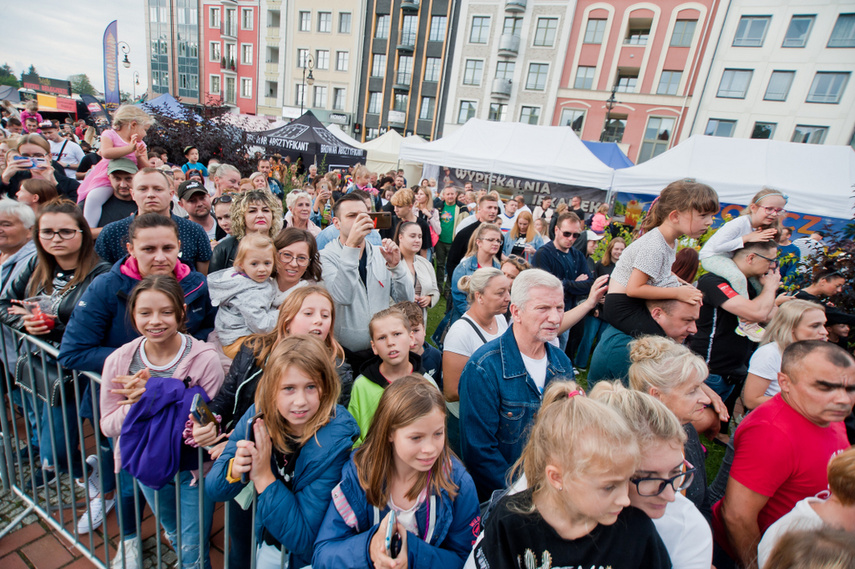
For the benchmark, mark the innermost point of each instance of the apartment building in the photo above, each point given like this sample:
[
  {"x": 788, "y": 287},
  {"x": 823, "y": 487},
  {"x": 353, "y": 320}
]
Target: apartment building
[
  {"x": 782, "y": 71},
  {"x": 172, "y": 28},
  {"x": 508, "y": 61}
]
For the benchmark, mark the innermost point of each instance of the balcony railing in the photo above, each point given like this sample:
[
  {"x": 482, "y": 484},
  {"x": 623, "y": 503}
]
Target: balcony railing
[
  {"x": 410, "y": 5},
  {"x": 509, "y": 45},
  {"x": 501, "y": 87},
  {"x": 515, "y": 5}
]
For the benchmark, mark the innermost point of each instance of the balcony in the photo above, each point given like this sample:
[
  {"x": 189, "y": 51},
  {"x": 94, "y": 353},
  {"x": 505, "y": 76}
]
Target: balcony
[
  {"x": 403, "y": 81},
  {"x": 410, "y": 5},
  {"x": 515, "y": 5},
  {"x": 501, "y": 87},
  {"x": 407, "y": 42},
  {"x": 509, "y": 45},
  {"x": 397, "y": 118}
]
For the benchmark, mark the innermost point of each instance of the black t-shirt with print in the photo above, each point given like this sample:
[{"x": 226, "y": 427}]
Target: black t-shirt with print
[{"x": 519, "y": 541}]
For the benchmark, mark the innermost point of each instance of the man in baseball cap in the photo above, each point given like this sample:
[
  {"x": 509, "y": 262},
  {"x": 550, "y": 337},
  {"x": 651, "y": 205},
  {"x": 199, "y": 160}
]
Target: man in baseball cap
[{"x": 196, "y": 201}]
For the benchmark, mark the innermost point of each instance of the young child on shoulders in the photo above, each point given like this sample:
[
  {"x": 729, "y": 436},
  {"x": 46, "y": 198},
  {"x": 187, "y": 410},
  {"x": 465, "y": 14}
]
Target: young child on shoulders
[
  {"x": 760, "y": 221},
  {"x": 245, "y": 293},
  {"x": 643, "y": 271},
  {"x": 405, "y": 468},
  {"x": 31, "y": 111},
  {"x": 431, "y": 357},
  {"x": 391, "y": 338},
  {"x": 191, "y": 153}
]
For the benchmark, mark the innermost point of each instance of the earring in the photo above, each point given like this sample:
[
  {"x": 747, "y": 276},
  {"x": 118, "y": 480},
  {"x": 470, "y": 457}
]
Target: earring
[{"x": 561, "y": 488}]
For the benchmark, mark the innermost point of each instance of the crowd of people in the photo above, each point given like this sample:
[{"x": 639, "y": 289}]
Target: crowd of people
[{"x": 301, "y": 321}]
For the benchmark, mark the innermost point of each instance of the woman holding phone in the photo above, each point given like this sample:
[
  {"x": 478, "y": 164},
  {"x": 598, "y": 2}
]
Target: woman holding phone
[{"x": 32, "y": 159}]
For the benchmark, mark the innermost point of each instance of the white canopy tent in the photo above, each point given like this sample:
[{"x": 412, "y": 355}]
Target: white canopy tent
[
  {"x": 548, "y": 153},
  {"x": 818, "y": 179},
  {"x": 384, "y": 155},
  {"x": 343, "y": 136}
]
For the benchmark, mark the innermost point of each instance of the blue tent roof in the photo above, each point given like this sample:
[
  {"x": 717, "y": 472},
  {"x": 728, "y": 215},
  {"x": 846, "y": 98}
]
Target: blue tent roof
[
  {"x": 609, "y": 154},
  {"x": 167, "y": 105}
]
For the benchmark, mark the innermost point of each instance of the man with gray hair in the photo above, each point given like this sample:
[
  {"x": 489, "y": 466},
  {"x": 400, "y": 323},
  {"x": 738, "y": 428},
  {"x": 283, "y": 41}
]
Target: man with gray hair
[{"x": 502, "y": 385}]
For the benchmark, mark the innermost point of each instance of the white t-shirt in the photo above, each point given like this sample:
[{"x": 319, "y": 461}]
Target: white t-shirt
[
  {"x": 728, "y": 238},
  {"x": 462, "y": 339},
  {"x": 536, "y": 369},
  {"x": 686, "y": 535},
  {"x": 766, "y": 363},
  {"x": 651, "y": 255},
  {"x": 508, "y": 222},
  {"x": 71, "y": 154},
  {"x": 464, "y": 223},
  {"x": 801, "y": 517}
]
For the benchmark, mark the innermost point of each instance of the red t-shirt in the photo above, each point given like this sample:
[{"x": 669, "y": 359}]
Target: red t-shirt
[{"x": 782, "y": 455}]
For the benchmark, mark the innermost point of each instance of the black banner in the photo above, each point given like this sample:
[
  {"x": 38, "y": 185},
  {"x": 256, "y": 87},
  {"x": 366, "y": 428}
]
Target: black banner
[{"x": 45, "y": 85}]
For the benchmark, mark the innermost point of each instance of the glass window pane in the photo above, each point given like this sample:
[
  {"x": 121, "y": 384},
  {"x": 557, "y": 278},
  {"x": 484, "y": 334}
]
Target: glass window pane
[
  {"x": 779, "y": 85},
  {"x": 684, "y": 31},
  {"x": 798, "y": 31},
  {"x": 827, "y": 87},
  {"x": 480, "y": 29},
  {"x": 574, "y": 118},
  {"x": 751, "y": 31},
  {"x": 764, "y": 130},
  {"x": 734, "y": 83},
  {"x": 843, "y": 34},
  {"x": 594, "y": 31}
]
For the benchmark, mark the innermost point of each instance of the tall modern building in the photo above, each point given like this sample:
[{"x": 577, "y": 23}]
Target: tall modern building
[
  {"x": 782, "y": 71},
  {"x": 407, "y": 47},
  {"x": 508, "y": 58},
  {"x": 631, "y": 69},
  {"x": 172, "y": 28},
  {"x": 229, "y": 54}
]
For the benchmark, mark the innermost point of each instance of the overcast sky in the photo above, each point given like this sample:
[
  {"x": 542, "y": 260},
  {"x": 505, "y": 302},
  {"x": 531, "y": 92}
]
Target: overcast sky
[{"x": 62, "y": 38}]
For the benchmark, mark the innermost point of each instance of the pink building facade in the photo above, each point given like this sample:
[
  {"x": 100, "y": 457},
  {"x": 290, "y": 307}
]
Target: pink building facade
[
  {"x": 649, "y": 55},
  {"x": 229, "y": 53}
]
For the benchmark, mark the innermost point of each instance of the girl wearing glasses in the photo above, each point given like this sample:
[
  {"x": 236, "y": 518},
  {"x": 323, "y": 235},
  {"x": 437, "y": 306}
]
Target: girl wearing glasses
[
  {"x": 661, "y": 475},
  {"x": 485, "y": 243},
  {"x": 760, "y": 221}
]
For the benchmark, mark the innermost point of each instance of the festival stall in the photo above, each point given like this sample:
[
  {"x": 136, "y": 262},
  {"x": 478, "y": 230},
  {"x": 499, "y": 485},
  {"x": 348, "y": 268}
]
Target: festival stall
[{"x": 384, "y": 155}]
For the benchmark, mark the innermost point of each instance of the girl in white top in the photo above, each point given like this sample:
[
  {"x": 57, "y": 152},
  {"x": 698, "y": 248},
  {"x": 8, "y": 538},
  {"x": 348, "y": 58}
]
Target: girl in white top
[
  {"x": 408, "y": 237},
  {"x": 794, "y": 321}
]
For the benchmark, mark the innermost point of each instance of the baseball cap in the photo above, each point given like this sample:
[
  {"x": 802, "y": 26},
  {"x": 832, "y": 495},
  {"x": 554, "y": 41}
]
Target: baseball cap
[
  {"x": 122, "y": 165},
  {"x": 592, "y": 236},
  {"x": 46, "y": 124},
  {"x": 190, "y": 187},
  {"x": 188, "y": 149}
]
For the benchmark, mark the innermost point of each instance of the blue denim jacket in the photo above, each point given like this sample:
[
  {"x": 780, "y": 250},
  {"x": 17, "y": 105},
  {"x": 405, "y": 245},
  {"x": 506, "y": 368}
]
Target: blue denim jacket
[{"x": 498, "y": 402}]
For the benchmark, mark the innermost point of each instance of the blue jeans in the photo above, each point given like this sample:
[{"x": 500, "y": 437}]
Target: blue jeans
[
  {"x": 717, "y": 384},
  {"x": 163, "y": 503},
  {"x": 593, "y": 327}
]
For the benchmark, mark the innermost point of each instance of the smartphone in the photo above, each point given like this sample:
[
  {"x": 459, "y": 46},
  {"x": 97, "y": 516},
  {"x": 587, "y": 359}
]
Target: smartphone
[
  {"x": 393, "y": 538},
  {"x": 381, "y": 219},
  {"x": 24, "y": 162},
  {"x": 201, "y": 411},
  {"x": 250, "y": 436}
]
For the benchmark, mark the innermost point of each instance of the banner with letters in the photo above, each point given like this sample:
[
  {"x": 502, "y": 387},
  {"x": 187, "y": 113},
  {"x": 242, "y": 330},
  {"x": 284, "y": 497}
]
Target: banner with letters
[{"x": 111, "y": 67}]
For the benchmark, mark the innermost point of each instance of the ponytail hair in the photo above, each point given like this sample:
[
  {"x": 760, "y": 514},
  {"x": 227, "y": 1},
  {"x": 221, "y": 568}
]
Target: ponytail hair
[
  {"x": 648, "y": 417},
  {"x": 662, "y": 363},
  {"x": 682, "y": 195}
]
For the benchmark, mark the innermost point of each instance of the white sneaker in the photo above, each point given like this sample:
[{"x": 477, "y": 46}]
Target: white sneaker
[
  {"x": 98, "y": 509},
  {"x": 93, "y": 481},
  {"x": 127, "y": 556},
  {"x": 751, "y": 330}
]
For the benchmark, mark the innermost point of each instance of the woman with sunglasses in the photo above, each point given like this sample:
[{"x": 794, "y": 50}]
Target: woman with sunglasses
[
  {"x": 255, "y": 211},
  {"x": 662, "y": 475}
]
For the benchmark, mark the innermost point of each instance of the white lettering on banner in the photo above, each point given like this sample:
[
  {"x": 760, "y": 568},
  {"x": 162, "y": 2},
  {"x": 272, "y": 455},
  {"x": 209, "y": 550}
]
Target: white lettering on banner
[
  {"x": 289, "y": 144},
  {"x": 504, "y": 181}
]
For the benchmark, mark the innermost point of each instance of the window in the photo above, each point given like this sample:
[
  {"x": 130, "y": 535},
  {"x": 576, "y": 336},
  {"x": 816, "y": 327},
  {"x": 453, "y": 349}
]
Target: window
[
  {"x": 246, "y": 88},
  {"x": 344, "y": 22},
  {"x": 300, "y": 95},
  {"x": 480, "y": 29},
  {"x": 613, "y": 131},
  {"x": 338, "y": 99},
  {"x": 718, "y": 127},
  {"x": 584, "y": 77},
  {"x": 751, "y": 31},
  {"x": 437, "y": 28},
  {"x": 764, "y": 130},
  {"x": 427, "y": 109},
  {"x": 402, "y": 101},
  {"x": 544, "y": 34},
  {"x": 231, "y": 55},
  {"x": 574, "y": 118},
  {"x": 433, "y": 66},
  {"x": 231, "y": 95},
  {"x": 498, "y": 112},
  {"x": 382, "y": 29},
  {"x": 371, "y": 133},
  {"x": 274, "y": 17},
  {"x": 466, "y": 111},
  {"x": 305, "y": 21},
  {"x": 669, "y": 82},
  {"x": 378, "y": 65},
  {"x": 302, "y": 58},
  {"x": 505, "y": 70},
  {"x": 325, "y": 22},
  {"x": 536, "y": 80},
  {"x": 843, "y": 34},
  {"x": 272, "y": 54},
  {"x": 213, "y": 21},
  {"x": 809, "y": 134},
  {"x": 626, "y": 81},
  {"x": 374, "y": 103},
  {"x": 216, "y": 53},
  {"x": 472, "y": 72},
  {"x": 215, "y": 84},
  {"x": 827, "y": 87},
  {"x": 320, "y": 97},
  {"x": 341, "y": 60},
  {"x": 513, "y": 26},
  {"x": 684, "y": 31},
  {"x": 779, "y": 85},
  {"x": 405, "y": 70},
  {"x": 798, "y": 32},
  {"x": 409, "y": 28},
  {"x": 638, "y": 33},
  {"x": 657, "y": 136},
  {"x": 231, "y": 27},
  {"x": 734, "y": 83},
  {"x": 594, "y": 31},
  {"x": 271, "y": 89},
  {"x": 246, "y": 19},
  {"x": 322, "y": 59},
  {"x": 530, "y": 115},
  {"x": 246, "y": 54}
]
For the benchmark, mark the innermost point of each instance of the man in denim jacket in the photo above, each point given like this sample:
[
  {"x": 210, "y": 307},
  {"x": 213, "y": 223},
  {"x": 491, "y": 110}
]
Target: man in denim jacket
[{"x": 502, "y": 384}]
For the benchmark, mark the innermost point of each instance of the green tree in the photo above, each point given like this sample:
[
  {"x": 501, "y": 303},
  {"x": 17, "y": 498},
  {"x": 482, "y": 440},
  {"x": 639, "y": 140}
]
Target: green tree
[
  {"x": 7, "y": 76},
  {"x": 30, "y": 71},
  {"x": 81, "y": 85}
]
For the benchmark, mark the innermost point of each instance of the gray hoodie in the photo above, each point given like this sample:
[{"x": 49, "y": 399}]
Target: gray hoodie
[{"x": 246, "y": 307}]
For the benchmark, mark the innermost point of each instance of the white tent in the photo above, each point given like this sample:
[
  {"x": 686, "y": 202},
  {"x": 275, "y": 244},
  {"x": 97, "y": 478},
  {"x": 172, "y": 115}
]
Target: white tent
[
  {"x": 383, "y": 155},
  {"x": 343, "y": 136},
  {"x": 548, "y": 153},
  {"x": 818, "y": 179}
]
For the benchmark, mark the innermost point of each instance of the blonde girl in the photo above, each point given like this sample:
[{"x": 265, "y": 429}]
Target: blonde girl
[
  {"x": 405, "y": 466},
  {"x": 424, "y": 203},
  {"x": 299, "y": 444},
  {"x": 600, "y": 219},
  {"x": 523, "y": 234},
  {"x": 577, "y": 465},
  {"x": 124, "y": 140}
]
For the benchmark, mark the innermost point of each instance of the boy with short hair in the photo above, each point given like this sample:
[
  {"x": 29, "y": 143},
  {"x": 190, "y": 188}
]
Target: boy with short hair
[
  {"x": 391, "y": 338},
  {"x": 431, "y": 357},
  {"x": 191, "y": 153}
]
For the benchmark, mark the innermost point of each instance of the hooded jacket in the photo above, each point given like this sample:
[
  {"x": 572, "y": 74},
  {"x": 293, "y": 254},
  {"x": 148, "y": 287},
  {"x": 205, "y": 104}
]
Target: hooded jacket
[
  {"x": 100, "y": 322},
  {"x": 245, "y": 306},
  {"x": 447, "y": 527}
]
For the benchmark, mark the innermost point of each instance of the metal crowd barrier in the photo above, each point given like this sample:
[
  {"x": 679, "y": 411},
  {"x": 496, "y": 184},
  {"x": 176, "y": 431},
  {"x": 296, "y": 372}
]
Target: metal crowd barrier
[{"x": 60, "y": 501}]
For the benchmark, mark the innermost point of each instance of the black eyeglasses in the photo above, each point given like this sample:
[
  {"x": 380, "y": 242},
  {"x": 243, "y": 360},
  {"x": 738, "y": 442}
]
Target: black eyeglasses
[
  {"x": 569, "y": 234},
  {"x": 227, "y": 198},
  {"x": 774, "y": 261},
  {"x": 65, "y": 234},
  {"x": 655, "y": 486}
]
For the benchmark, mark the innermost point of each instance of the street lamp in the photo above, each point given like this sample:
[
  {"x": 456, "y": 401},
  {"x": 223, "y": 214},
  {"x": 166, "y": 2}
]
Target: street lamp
[
  {"x": 610, "y": 104},
  {"x": 136, "y": 82},
  {"x": 308, "y": 63},
  {"x": 126, "y": 49}
]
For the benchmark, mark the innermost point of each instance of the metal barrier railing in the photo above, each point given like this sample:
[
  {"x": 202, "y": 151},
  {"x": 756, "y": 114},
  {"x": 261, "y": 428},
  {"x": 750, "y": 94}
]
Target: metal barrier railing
[{"x": 45, "y": 481}]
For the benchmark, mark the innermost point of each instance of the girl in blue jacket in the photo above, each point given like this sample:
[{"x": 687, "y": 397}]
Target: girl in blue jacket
[
  {"x": 299, "y": 448},
  {"x": 404, "y": 465}
]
